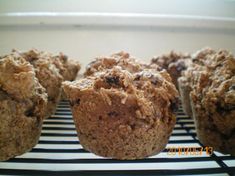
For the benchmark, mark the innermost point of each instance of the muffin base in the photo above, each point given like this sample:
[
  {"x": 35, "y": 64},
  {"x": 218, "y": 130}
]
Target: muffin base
[
  {"x": 18, "y": 133},
  {"x": 129, "y": 148},
  {"x": 114, "y": 131},
  {"x": 209, "y": 135}
]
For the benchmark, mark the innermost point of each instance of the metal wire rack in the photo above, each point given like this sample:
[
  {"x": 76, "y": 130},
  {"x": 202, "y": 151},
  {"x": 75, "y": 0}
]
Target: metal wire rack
[{"x": 60, "y": 153}]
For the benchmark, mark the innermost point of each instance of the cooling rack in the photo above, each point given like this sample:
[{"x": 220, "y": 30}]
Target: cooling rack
[{"x": 60, "y": 153}]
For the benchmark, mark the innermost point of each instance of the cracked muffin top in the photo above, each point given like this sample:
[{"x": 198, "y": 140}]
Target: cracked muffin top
[
  {"x": 47, "y": 73},
  {"x": 122, "y": 59},
  {"x": 198, "y": 61},
  {"x": 150, "y": 91},
  {"x": 67, "y": 68},
  {"x": 199, "y": 57},
  {"x": 19, "y": 84},
  {"x": 174, "y": 63},
  {"x": 17, "y": 78},
  {"x": 165, "y": 60}
]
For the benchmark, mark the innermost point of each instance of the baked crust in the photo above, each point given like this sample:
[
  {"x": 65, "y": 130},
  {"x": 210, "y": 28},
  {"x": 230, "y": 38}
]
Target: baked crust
[{"x": 22, "y": 107}]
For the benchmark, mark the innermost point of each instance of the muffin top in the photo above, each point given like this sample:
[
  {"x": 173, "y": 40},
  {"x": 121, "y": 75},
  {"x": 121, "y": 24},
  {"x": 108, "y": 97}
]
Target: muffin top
[
  {"x": 122, "y": 59},
  {"x": 198, "y": 61},
  {"x": 41, "y": 61},
  {"x": 164, "y": 61},
  {"x": 68, "y": 67},
  {"x": 17, "y": 78},
  {"x": 60, "y": 64},
  {"x": 174, "y": 63},
  {"x": 149, "y": 91},
  {"x": 199, "y": 57},
  {"x": 46, "y": 72},
  {"x": 217, "y": 79}
]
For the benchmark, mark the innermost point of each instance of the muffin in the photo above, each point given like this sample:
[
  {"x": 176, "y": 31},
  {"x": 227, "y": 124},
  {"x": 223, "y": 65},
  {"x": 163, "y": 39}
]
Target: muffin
[
  {"x": 47, "y": 74},
  {"x": 68, "y": 68},
  {"x": 184, "y": 90},
  {"x": 174, "y": 63},
  {"x": 213, "y": 102},
  {"x": 22, "y": 107},
  {"x": 121, "y": 113},
  {"x": 189, "y": 77}
]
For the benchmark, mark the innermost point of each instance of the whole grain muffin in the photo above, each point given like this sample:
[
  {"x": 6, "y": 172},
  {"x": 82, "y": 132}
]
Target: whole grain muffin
[
  {"x": 213, "y": 102},
  {"x": 122, "y": 112},
  {"x": 189, "y": 77},
  {"x": 47, "y": 74},
  {"x": 22, "y": 107},
  {"x": 68, "y": 68},
  {"x": 174, "y": 63}
]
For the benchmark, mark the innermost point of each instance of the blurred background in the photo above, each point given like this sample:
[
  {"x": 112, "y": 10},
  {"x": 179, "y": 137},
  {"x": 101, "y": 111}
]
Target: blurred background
[{"x": 84, "y": 29}]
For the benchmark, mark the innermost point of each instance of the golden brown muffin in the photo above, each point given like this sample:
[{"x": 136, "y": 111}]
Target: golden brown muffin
[
  {"x": 22, "y": 107},
  {"x": 47, "y": 74},
  {"x": 213, "y": 102},
  {"x": 124, "y": 111},
  {"x": 185, "y": 84},
  {"x": 174, "y": 63},
  {"x": 189, "y": 77}
]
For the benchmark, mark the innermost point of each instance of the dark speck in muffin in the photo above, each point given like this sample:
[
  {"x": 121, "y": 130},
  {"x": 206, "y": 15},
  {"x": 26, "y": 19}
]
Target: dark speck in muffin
[
  {"x": 154, "y": 81},
  {"x": 174, "y": 105},
  {"x": 113, "y": 114},
  {"x": 137, "y": 77},
  {"x": 112, "y": 80},
  {"x": 30, "y": 112},
  {"x": 77, "y": 102},
  {"x": 232, "y": 87},
  {"x": 226, "y": 108},
  {"x": 181, "y": 66}
]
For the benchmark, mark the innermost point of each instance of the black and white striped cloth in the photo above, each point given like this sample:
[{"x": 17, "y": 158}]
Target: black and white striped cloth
[{"x": 60, "y": 153}]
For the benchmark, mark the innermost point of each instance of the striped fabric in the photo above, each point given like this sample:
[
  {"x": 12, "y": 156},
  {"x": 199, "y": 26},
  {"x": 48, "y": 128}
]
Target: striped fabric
[{"x": 60, "y": 153}]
